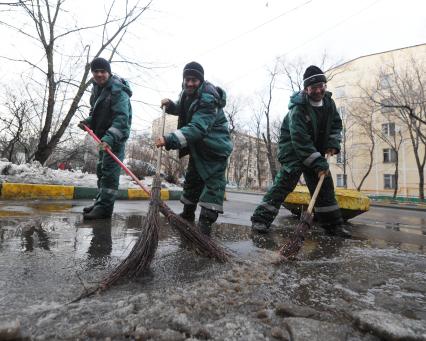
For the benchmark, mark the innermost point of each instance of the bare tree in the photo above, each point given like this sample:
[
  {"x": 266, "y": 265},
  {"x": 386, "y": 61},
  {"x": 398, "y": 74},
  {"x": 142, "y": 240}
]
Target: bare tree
[
  {"x": 400, "y": 92},
  {"x": 345, "y": 156},
  {"x": 238, "y": 161},
  {"x": 249, "y": 179},
  {"x": 266, "y": 109},
  {"x": 234, "y": 105},
  {"x": 233, "y": 108},
  {"x": 392, "y": 140},
  {"x": 72, "y": 152},
  {"x": 293, "y": 71},
  {"x": 362, "y": 115},
  {"x": 13, "y": 125},
  {"x": 16, "y": 126},
  {"x": 61, "y": 89},
  {"x": 256, "y": 128}
]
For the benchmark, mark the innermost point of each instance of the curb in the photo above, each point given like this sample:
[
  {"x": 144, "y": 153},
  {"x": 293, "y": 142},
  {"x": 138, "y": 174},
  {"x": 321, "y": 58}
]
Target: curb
[
  {"x": 18, "y": 191},
  {"x": 401, "y": 206},
  {"x": 249, "y": 193},
  {"x": 398, "y": 206}
]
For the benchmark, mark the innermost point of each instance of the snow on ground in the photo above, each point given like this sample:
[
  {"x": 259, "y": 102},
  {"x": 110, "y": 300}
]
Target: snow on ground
[{"x": 35, "y": 173}]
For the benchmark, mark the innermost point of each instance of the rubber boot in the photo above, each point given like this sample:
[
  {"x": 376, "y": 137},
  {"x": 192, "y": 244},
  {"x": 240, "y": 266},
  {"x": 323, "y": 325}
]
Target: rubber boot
[
  {"x": 98, "y": 212},
  {"x": 259, "y": 227},
  {"x": 338, "y": 230},
  {"x": 207, "y": 218},
  {"x": 188, "y": 213},
  {"x": 87, "y": 209}
]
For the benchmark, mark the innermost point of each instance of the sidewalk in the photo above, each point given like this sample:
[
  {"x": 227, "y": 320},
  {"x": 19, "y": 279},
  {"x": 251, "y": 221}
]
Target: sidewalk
[{"x": 378, "y": 203}]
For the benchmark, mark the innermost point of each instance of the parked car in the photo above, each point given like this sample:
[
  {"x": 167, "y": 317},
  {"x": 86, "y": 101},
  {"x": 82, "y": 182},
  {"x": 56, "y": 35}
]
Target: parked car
[{"x": 231, "y": 185}]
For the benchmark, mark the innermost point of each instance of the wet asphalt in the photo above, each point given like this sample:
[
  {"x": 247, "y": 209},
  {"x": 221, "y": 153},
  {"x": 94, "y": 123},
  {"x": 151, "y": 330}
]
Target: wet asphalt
[{"x": 48, "y": 255}]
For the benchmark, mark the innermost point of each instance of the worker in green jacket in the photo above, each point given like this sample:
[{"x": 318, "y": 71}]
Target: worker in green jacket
[
  {"x": 110, "y": 119},
  {"x": 311, "y": 129},
  {"x": 202, "y": 133}
]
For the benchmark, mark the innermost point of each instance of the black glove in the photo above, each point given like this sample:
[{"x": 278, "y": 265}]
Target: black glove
[{"x": 81, "y": 125}]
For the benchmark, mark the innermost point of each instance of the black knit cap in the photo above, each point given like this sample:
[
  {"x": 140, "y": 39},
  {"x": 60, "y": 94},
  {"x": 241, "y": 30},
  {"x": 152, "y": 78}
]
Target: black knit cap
[
  {"x": 312, "y": 75},
  {"x": 100, "y": 64},
  {"x": 194, "y": 69}
]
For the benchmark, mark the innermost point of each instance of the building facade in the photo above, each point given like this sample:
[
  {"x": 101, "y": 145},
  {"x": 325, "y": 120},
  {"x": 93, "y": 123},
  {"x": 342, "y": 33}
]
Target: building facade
[
  {"x": 170, "y": 125},
  {"x": 383, "y": 145}
]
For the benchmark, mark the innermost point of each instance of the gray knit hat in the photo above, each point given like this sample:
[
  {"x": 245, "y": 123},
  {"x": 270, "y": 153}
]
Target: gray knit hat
[
  {"x": 100, "y": 64},
  {"x": 312, "y": 75},
  {"x": 195, "y": 70}
]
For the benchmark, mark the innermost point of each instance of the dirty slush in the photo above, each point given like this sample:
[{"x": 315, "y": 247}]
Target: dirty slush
[{"x": 337, "y": 290}]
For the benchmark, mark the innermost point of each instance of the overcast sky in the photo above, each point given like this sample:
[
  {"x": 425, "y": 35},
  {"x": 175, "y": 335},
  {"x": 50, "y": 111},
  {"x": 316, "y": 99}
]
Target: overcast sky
[{"x": 236, "y": 40}]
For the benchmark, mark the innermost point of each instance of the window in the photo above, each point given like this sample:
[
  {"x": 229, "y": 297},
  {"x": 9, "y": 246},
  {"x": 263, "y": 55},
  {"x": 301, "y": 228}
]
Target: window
[
  {"x": 340, "y": 91},
  {"x": 340, "y": 158},
  {"x": 389, "y": 155},
  {"x": 385, "y": 105},
  {"x": 385, "y": 81},
  {"x": 342, "y": 112},
  {"x": 389, "y": 181},
  {"x": 341, "y": 180},
  {"x": 388, "y": 129}
]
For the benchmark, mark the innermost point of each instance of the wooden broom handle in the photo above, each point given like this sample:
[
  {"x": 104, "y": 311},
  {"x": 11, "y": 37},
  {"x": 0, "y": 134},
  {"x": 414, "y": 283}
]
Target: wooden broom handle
[
  {"x": 317, "y": 189},
  {"x": 159, "y": 153}
]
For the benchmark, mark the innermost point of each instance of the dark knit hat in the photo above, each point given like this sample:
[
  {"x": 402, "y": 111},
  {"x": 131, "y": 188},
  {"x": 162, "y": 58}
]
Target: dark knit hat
[
  {"x": 100, "y": 64},
  {"x": 194, "y": 69},
  {"x": 312, "y": 75}
]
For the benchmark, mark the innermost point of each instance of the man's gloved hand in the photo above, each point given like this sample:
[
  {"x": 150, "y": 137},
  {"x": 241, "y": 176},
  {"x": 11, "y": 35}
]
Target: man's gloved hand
[
  {"x": 160, "y": 141},
  {"x": 103, "y": 145},
  {"x": 81, "y": 125},
  {"x": 331, "y": 151},
  {"x": 320, "y": 172},
  {"x": 165, "y": 102}
]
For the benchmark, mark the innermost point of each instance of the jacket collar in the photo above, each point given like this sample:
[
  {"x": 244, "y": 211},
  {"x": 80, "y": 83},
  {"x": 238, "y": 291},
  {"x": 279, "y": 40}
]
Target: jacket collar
[{"x": 104, "y": 92}]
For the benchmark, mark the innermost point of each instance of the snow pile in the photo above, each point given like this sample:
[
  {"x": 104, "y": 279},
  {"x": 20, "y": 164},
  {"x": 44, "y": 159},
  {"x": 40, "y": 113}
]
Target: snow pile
[{"x": 35, "y": 173}]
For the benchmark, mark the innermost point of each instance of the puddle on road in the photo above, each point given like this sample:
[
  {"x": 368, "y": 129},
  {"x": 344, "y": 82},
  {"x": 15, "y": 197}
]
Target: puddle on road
[
  {"x": 50, "y": 258},
  {"x": 16, "y": 209}
]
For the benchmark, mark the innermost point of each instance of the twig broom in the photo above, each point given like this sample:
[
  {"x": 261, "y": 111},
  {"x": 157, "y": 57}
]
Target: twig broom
[
  {"x": 293, "y": 246},
  {"x": 140, "y": 257}
]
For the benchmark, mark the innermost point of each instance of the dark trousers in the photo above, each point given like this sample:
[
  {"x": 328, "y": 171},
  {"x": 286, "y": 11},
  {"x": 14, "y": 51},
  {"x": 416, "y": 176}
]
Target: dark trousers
[
  {"x": 108, "y": 172},
  {"x": 209, "y": 192},
  {"x": 326, "y": 209}
]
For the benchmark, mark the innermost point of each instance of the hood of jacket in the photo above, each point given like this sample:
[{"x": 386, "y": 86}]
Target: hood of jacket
[
  {"x": 218, "y": 93},
  {"x": 116, "y": 83}
]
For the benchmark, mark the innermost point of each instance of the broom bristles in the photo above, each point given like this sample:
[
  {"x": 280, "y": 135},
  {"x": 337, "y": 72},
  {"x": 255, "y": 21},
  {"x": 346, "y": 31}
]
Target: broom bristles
[
  {"x": 293, "y": 246},
  {"x": 140, "y": 257},
  {"x": 142, "y": 253},
  {"x": 200, "y": 242}
]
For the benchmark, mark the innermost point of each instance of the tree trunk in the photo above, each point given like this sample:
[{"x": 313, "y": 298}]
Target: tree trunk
[
  {"x": 421, "y": 184},
  {"x": 259, "y": 168},
  {"x": 271, "y": 160},
  {"x": 45, "y": 148},
  {"x": 370, "y": 166},
  {"x": 395, "y": 191}
]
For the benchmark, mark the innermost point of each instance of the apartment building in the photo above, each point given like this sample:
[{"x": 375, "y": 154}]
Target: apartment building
[
  {"x": 374, "y": 95},
  {"x": 169, "y": 126}
]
